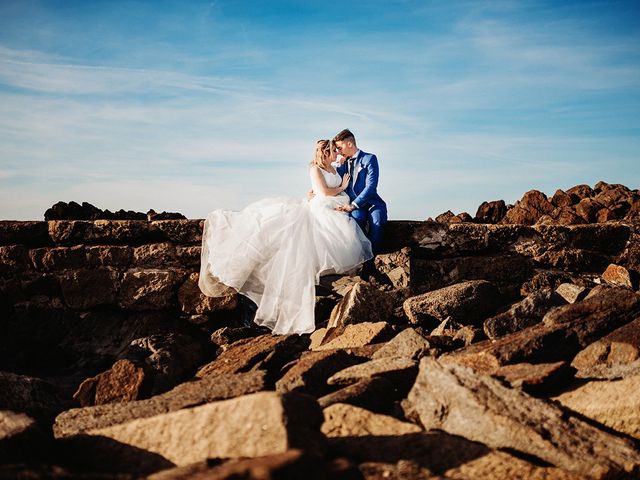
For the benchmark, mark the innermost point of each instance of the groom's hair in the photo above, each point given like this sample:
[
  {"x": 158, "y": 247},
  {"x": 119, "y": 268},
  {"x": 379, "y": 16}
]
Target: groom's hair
[{"x": 345, "y": 136}]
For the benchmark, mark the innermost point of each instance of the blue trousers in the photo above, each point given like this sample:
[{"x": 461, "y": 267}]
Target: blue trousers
[{"x": 374, "y": 218}]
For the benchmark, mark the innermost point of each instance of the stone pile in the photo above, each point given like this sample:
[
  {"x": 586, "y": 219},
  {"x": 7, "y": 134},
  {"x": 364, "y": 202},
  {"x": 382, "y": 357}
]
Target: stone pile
[
  {"x": 474, "y": 351},
  {"x": 578, "y": 205}
]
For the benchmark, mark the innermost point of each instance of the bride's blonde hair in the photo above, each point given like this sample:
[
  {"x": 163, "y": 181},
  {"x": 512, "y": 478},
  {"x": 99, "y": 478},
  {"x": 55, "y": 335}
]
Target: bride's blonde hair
[{"x": 323, "y": 150}]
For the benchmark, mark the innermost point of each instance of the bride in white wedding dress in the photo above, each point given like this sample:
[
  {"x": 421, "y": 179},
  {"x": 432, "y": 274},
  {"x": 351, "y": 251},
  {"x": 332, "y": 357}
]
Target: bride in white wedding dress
[{"x": 275, "y": 250}]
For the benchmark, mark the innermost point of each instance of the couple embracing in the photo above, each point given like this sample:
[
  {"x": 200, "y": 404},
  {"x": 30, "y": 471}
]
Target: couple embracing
[{"x": 274, "y": 251}]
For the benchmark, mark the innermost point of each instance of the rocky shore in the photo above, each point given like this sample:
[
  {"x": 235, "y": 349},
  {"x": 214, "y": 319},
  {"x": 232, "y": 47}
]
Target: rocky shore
[{"x": 505, "y": 345}]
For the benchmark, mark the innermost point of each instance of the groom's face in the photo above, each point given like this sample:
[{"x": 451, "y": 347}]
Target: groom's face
[{"x": 345, "y": 148}]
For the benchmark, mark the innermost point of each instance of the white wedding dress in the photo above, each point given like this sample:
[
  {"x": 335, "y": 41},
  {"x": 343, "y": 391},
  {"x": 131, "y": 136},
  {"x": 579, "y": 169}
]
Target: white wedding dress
[{"x": 275, "y": 250}]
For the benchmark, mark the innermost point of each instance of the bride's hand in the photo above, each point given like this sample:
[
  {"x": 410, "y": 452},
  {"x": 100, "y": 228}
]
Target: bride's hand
[{"x": 345, "y": 181}]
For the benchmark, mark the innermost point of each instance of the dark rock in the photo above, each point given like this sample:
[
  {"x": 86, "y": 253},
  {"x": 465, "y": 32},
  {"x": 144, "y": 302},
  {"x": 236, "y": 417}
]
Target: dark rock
[
  {"x": 310, "y": 373},
  {"x": 21, "y": 439},
  {"x": 36, "y": 397},
  {"x": 122, "y": 383},
  {"x": 523, "y": 314},
  {"x": 401, "y": 372},
  {"x": 467, "y": 303},
  {"x": 84, "y": 289},
  {"x": 588, "y": 209},
  {"x": 153, "y": 216},
  {"x": 561, "y": 199},
  {"x": 266, "y": 352},
  {"x": 407, "y": 344},
  {"x": 375, "y": 394},
  {"x": 148, "y": 289},
  {"x": 580, "y": 192},
  {"x": 445, "y": 217},
  {"x": 491, "y": 212},
  {"x": 447, "y": 396},
  {"x": 28, "y": 233}
]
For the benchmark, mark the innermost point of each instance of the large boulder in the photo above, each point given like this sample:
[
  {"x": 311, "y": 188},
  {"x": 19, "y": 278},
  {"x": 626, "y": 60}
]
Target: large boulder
[
  {"x": 363, "y": 303},
  {"x": 468, "y": 303}
]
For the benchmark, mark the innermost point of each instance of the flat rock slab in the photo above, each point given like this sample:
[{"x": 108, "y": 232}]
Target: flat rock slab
[
  {"x": 188, "y": 394},
  {"x": 408, "y": 343},
  {"x": 258, "y": 424},
  {"x": 622, "y": 346},
  {"x": 375, "y": 394},
  {"x": 617, "y": 275},
  {"x": 392, "y": 368},
  {"x": 310, "y": 373},
  {"x": 363, "y": 303},
  {"x": 265, "y": 352},
  {"x": 534, "y": 378},
  {"x": 571, "y": 292},
  {"x": 467, "y": 303},
  {"x": 615, "y": 404},
  {"x": 343, "y": 420},
  {"x": 356, "y": 335},
  {"x": 459, "y": 401}
]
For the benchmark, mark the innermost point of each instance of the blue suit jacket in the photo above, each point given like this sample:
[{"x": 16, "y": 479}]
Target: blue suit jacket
[{"x": 364, "y": 191}]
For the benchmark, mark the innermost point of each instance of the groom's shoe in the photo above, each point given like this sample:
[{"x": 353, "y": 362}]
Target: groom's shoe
[
  {"x": 368, "y": 270},
  {"x": 247, "y": 310}
]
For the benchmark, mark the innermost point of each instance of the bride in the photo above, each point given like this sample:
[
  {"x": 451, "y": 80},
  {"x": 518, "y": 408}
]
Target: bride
[{"x": 275, "y": 250}]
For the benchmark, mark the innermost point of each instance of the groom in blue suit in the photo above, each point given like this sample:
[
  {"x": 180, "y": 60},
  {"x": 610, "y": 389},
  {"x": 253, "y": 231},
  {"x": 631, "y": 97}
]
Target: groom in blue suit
[{"x": 366, "y": 206}]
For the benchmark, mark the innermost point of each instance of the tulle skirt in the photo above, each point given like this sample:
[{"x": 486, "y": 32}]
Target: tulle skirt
[{"x": 274, "y": 252}]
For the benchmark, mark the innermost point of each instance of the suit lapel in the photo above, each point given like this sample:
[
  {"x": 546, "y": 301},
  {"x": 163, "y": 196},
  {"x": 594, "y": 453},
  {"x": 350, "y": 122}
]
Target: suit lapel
[{"x": 357, "y": 166}]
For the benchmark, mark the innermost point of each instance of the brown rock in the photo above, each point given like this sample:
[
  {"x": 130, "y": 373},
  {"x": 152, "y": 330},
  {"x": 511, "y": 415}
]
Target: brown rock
[
  {"x": 375, "y": 394},
  {"x": 398, "y": 370},
  {"x": 407, "y": 344},
  {"x": 154, "y": 255},
  {"x": 544, "y": 279},
  {"x": 266, "y": 352},
  {"x": 148, "y": 289},
  {"x": 343, "y": 420},
  {"x": 588, "y": 209},
  {"x": 445, "y": 217},
  {"x": 522, "y": 314},
  {"x": 13, "y": 259},
  {"x": 58, "y": 258},
  {"x": 491, "y": 212},
  {"x": 17, "y": 232},
  {"x": 292, "y": 464},
  {"x": 622, "y": 346},
  {"x": 446, "y": 396},
  {"x": 185, "y": 395},
  {"x": 310, "y": 373},
  {"x": 34, "y": 396},
  {"x": 610, "y": 403},
  {"x": 468, "y": 335},
  {"x": 194, "y": 302},
  {"x": 395, "y": 266},
  {"x": 363, "y": 303},
  {"x": 253, "y": 425},
  {"x": 467, "y": 303},
  {"x": 84, "y": 289},
  {"x": 122, "y": 383},
  {"x": 179, "y": 231},
  {"x": 356, "y": 335},
  {"x": 617, "y": 275},
  {"x": 571, "y": 292},
  {"x": 572, "y": 259},
  {"x": 579, "y": 192},
  {"x": 529, "y": 209},
  {"x": 534, "y": 378},
  {"x": 561, "y": 199},
  {"x": 109, "y": 255}
]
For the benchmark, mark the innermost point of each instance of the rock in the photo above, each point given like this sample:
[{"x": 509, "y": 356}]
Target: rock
[
  {"x": 622, "y": 346},
  {"x": 544, "y": 279},
  {"x": 108, "y": 255},
  {"x": 310, "y": 373},
  {"x": 407, "y": 344},
  {"x": 84, "y": 289},
  {"x": 579, "y": 192},
  {"x": 148, "y": 289},
  {"x": 588, "y": 208},
  {"x": 523, "y": 314},
  {"x": 153, "y": 215},
  {"x": 445, "y": 217},
  {"x": 36, "y": 397},
  {"x": 468, "y": 335},
  {"x": 534, "y": 378},
  {"x": 375, "y": 394},
  {"x": 462, "y": 217},
  {"x": 224, "y": 337},
  {"x": 193, "y": 301},
  {"x": 447, "y": 396},
  {"x": 122, "y": 383},
  {"x": 573, "y": 260},
  {"x": 400, "y": 371},
  {"x": 571, "y": 292},
  {"x": 396, "y": 266},
  {"x": 356, "y": 335},
  {"x": 467, "y": 303},
  {"x": 563, "y": 332},
  {"x": 561, "y": 199},
  {"x": 448, "y": 327},
  {"x": 58, "y": 258},
  {"x": 491, "y": 212},
  {"x": 363, "y": 303},
  {"x": 610, "y": 403},
  {"x": 617, "y": 275},
  {"x": 29, "y": 233},
  {"x": 266, "y": 352},
  {"x": 73, "y": 211},
  {"x": 258, "y": 424},
  {"x": 343, "y": 420},
  {"x": 20, "y": 438},
  {"x": 185, "y": 395},
  {"x": 529, "y": 209},
  {"x": 178, "y": 231},
  {"x": 292, "y": 464}
]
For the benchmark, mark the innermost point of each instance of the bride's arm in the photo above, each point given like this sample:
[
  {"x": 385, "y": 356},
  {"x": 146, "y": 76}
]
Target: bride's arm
[{"x": 320, "y": 185}]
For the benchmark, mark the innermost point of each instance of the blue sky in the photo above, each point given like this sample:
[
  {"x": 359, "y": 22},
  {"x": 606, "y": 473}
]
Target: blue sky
[{"x": 192, "y": 106}]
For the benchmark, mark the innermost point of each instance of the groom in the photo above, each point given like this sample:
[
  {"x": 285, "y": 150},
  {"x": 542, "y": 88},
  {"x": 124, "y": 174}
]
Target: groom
[{"x": 366, "y": 206}]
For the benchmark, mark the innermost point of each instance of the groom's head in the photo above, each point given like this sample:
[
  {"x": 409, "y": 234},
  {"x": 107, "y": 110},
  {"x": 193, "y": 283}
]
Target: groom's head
[{"x": 345, "y": 143}]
